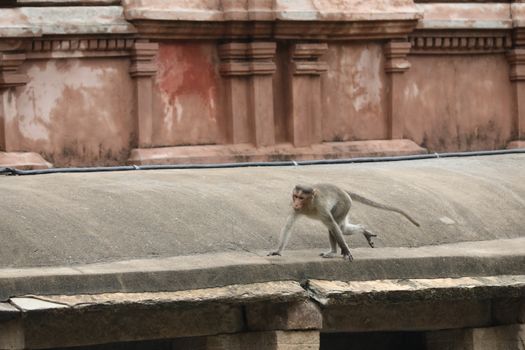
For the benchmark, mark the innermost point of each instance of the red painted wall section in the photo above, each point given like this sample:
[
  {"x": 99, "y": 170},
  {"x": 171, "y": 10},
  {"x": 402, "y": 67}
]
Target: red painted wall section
[
  {"x": 458, "y": 103},
  {"x": 354, "y": 93},
  {"x": 186, "y": 95},
  {"x": 75, "y": 112}
]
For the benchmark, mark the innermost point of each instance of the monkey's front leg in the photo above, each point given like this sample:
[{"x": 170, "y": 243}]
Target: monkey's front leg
[
  {"x": 332, "y": 253},
  {"x": 285, "y": 235},
  {"x": 333, "y": 226}
]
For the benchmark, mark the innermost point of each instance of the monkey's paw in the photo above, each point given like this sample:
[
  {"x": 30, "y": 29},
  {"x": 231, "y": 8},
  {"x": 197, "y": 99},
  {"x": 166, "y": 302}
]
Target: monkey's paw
[
  {"x": 348, "y": 257},
  {"x": 274, "y": 254},
  {"x": 328, "y": 255}
]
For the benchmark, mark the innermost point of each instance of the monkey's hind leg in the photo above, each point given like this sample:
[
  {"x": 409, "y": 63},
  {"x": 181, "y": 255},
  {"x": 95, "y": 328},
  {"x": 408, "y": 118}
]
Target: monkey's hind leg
[
  {"x": 368, "y": 235},
  {"x": 332, "y": 253}
]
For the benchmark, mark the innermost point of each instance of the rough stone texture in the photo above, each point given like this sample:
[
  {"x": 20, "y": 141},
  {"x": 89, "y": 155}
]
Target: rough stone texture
[
  {"x": 131, "y": 323},
  {"x": 284, "y": 316},
  {"x": 275, "y": 292},
  {"x": 407, "y": 316},
  {"x": 355, "y": 292},
  {"x": 278, "y": 340},
  {"x": 501, "y": 338}
]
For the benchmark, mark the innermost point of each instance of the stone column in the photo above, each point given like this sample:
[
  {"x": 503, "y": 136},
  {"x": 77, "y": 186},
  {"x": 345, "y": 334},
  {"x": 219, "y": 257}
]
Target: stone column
[
  {"x": 142, "y": 69},
  {"x": 9, "y": 79},
  {"x": 248, "y": 70},
  {"x": 305, "y": 92},
  {"x": 396, "y": 63},
  {"x": 516, "y": 60}
]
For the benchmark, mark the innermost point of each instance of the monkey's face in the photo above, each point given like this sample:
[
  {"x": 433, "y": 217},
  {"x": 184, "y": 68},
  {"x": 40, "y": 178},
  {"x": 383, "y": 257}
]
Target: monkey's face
[{"x": 301, "y": 200}]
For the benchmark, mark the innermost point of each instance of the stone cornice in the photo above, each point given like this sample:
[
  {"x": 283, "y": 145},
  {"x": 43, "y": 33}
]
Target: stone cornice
[
  {"x": 270, "y": 10},
  {"x": 73, "y": 20}
]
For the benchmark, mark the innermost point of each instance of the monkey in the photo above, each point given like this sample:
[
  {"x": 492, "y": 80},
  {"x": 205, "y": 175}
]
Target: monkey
[{"x": 331, "y": 205}]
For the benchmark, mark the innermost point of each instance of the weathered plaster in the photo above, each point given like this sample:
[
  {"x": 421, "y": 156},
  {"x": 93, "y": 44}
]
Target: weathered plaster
[
  {"x": 354, "y": 93},
  {"x": 345, "y": 10},
  {"x": 187, "y": 95},
  {"x": 74, "y": 111},
  {"x": 454, "y": 112},
  {"x": 465, "y": 16},
  {"x": 37, "y": 21}
]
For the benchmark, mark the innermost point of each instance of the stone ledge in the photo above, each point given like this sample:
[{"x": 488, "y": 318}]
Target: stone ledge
[
  {"x": 180, "y": 273},
  {"x": 249, "y": 153},
  {"x": 402, "y": 290},
  {"x": 23, "y": 160},
  {"x": 38, "y": 21}
]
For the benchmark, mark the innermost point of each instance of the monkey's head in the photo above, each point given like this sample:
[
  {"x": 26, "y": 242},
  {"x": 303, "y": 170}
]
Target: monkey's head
[{"x": 302, "y": 197}]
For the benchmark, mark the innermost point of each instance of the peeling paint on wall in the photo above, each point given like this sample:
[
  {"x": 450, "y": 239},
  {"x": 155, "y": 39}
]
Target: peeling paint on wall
[
  {"x": 187, "y": 88},
  {"x": 47, "y": 85},
  {"x": 367, "y": 88},
  {"x": 354, "y": 93},
  {"x": 75, "y": 111}
]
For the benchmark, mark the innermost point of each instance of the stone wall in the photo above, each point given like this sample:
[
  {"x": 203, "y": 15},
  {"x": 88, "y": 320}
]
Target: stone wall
[{"x": 107, "y": 82}]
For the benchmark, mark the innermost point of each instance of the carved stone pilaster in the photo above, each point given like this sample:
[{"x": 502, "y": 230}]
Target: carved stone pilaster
[
  {"x": 516, "y": 58},
  {"x": 306, "y": 59},
  {"x": 9, "y": 79},
  {"x": 396, "y": 63},
  {"x": 248, "y": 70},
  {"x": 9, "y": 76},
  {"x": 142, "y": 69},
  {"x": 305, "y": 92},
  {"x": 396, "y": 56}
]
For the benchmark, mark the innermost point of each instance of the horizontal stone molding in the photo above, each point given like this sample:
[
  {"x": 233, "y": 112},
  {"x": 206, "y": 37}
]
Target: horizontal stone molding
[
  {"x": 78, "y": 48},
  {"x": 460, "y": 43}
]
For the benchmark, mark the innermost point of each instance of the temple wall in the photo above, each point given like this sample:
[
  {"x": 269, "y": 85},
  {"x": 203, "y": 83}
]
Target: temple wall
[
  {"x": 134, "y": 82},
  {"x": 464, "y": 104},
  {"x": 74, "y": 111}
]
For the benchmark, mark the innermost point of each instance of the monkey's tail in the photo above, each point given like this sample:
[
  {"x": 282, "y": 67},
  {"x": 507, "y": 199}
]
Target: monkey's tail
[{"x": 371, "y": 203}]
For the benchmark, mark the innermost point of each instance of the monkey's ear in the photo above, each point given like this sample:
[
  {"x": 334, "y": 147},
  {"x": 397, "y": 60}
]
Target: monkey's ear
[{"x": 314, "y": 192}]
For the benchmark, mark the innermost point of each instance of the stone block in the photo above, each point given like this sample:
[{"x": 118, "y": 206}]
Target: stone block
[
  {"x": 407, "y": 316},
  {"x": 501, "y": 338},
  {"x": 295, "y": 315},
  {"x": 278, "y": 340}
]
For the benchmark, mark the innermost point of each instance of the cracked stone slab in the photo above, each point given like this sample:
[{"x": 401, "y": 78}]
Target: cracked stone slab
[
  {"x": 399, "y": 290},
  {"x": 272, "y": 291}
]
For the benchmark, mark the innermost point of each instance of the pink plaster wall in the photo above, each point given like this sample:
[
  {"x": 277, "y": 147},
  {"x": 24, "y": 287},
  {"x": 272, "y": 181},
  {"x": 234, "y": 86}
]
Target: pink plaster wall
[
  {"x": 458, "y": 103},
  {"x": 354, "y": 93},
  {"x": 74, "y": 112},
  {"x": 187, "y": 108}
]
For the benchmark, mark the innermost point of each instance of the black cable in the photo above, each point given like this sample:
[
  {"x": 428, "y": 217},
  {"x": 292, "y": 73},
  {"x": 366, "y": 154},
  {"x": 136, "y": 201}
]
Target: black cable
[{"x": 14, "y": 171}]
